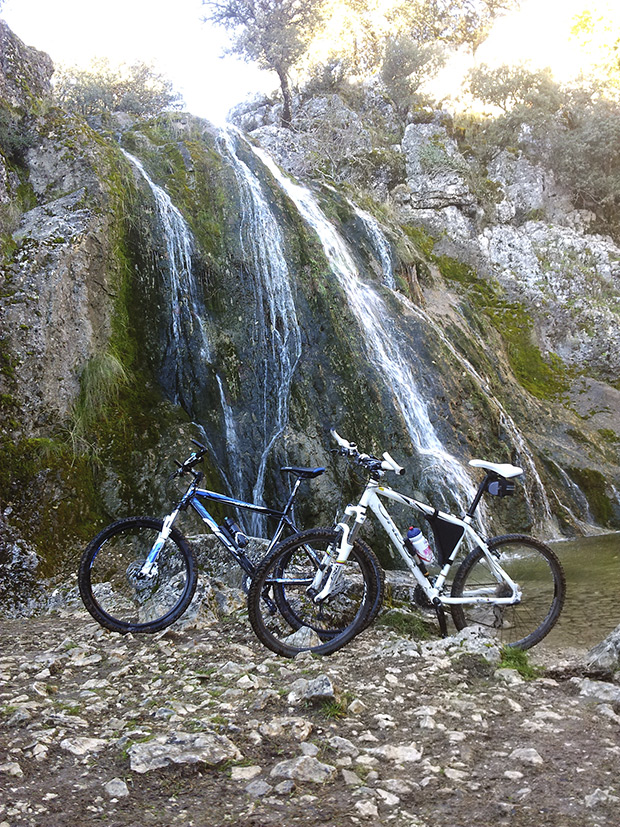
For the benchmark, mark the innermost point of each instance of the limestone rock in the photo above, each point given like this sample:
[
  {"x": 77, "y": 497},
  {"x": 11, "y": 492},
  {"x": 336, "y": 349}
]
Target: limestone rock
[
  {"x": 298, "y": 728},
  {"x": 117, "y": 788},
  {"x": 305, "y": 768},
  {"x": 606, "y": 655},
  {"x": 403, "y": 753},
  {"x": 526, "y": 755},
  {"x": 315, "y": 690},
  {"x": 182, "y": 748},
  {"x": 83, "y": 746},
  {"x": 25, "y": 72},
  {"x": 599, "y": 689}
]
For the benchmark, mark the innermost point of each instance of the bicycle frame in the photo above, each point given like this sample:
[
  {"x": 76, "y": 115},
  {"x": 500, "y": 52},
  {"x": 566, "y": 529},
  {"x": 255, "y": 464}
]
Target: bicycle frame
[
  {"x": 192, "y": 498},
  {"x": 370, "y": 500}
]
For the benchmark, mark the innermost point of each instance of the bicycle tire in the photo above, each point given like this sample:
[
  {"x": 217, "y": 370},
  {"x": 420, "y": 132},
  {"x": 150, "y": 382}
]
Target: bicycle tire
[
  {"x": 537, "y": 570},
  {"x": 287, "y": 621},
  {"x": 112, "y": 591}
]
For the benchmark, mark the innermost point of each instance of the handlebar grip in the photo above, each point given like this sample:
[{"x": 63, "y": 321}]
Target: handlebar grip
[
  {"x": 390, "y": 464},
  {"x": 349, "y": 447}
]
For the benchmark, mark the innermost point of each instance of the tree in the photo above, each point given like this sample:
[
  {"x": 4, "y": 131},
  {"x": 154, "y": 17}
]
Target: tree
[
  {"x": 406, "y": 65},
  {"x": 274, "y": 33},
  {"x": 453, "y": 22},
  {"x": 509, "y": 86},
  {"x": 138, "y": 89}
]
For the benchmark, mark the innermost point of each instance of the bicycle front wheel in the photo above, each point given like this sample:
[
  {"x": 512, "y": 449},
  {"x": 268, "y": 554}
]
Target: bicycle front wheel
[
  {"x": 283, "y": 609},
  {"x": 119, "y": 593},
  {"x": 538, "y": 573}
]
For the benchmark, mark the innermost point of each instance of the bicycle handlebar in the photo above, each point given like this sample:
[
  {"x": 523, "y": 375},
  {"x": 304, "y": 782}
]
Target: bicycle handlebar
[
  {"x": 193, "y": 459},
  {"x": 349, "y": 449}
]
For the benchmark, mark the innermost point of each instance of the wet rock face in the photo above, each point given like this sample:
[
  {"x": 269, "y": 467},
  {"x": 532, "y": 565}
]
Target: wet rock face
[{"x": 85, "y": 276}]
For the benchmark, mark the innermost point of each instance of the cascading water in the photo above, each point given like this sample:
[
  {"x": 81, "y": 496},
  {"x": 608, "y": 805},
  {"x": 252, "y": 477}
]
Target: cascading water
[
  {"x": 535, "y": 493},
  {"x": 277, "y": 334},
  {"x": 187, "y": 351},
  {"x": 380, "y": 244},
  {"x": 389, "y": 353}
]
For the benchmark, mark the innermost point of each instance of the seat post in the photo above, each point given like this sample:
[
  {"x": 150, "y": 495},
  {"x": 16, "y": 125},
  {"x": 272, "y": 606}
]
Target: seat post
[
  {"x": 292, "y": 495},
  {"x": 481, "y": 489}
]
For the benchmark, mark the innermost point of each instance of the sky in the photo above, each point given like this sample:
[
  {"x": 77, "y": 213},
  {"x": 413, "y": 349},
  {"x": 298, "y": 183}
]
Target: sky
[{"x": 170, "y": 34}]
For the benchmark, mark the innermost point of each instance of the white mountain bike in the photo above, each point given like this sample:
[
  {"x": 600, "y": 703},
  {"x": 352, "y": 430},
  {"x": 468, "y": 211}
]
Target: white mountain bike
[{"x": 513, "y": 585}]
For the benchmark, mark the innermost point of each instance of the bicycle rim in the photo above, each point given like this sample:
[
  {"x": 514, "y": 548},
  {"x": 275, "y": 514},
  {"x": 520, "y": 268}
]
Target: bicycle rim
[
  {"x": 537, "y": 571},
  {"x": 283, "y": 611},
  {"x": 117, "y": 591}
]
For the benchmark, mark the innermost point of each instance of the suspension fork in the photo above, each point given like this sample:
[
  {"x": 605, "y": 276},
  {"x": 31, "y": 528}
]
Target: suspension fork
[
  {"x": 321, "y": 588},
  {"x": 149, "y": 568}
]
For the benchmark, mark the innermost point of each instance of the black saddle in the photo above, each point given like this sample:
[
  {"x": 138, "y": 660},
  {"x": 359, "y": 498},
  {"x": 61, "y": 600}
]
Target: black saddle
[{"x": 303, "y": 473}]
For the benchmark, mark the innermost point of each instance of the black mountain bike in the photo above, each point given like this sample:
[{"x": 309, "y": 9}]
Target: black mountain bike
[{"x": 139, "y": 574}]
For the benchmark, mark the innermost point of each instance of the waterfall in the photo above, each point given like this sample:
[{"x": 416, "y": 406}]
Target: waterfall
[
  {"x": 277, "y": 335},
  {"x": 187, "y": 341},
  {"x": 535, "y": 494},
  {"x": 381, "y": 247},
  {"x": 187, "y": 351},
  {"x": 580, "y": 498},
  {"x": 388, "y": 352}
]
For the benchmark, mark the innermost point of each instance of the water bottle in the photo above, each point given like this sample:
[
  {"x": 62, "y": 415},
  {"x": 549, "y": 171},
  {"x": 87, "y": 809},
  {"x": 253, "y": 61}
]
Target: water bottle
[
  {"x": 420, "y": 544},
  {"x": 238, "y": 537}
]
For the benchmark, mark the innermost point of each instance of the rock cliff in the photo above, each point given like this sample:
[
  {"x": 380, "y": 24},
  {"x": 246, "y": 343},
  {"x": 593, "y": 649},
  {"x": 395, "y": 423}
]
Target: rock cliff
[{"x": 176, "y": 287}]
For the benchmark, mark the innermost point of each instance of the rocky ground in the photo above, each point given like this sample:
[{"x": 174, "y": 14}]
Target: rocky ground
[{"x": 202, "y": 726}]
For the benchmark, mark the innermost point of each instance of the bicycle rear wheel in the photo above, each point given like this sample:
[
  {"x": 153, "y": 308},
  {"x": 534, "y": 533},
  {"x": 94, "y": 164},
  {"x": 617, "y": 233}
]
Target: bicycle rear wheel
[
  {"x": 540, "y": 576},
  {"x": 282, "y": 611},
  {"x": 115, "y": 590}
]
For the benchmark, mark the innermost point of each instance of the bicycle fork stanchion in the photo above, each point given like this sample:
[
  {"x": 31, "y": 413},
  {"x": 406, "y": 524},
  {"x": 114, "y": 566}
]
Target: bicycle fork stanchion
[
  {"x": 149, "y": 569},
  {"x": 441, "y": 617}
]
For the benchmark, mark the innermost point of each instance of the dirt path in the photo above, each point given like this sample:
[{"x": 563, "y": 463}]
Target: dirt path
[{"x": 385, "y": 732}]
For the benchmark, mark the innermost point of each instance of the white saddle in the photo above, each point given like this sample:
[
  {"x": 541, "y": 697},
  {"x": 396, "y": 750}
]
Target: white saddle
[{"x": 501, "y": 469}]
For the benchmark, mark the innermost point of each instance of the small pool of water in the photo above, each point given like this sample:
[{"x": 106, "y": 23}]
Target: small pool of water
[{"x": 592, "y": 607}]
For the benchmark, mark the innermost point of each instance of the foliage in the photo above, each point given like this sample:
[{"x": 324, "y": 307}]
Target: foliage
[
  {"x": 595, "y": 30},
  {"x": 406, "y": 65},
  {"x": 100, "y": 382},
  {"x": 585, "y": 154},
  {"x": 16, "y": 137},
  {"x": 572, "y": 130},
  {"x": 361, "y": 28},
  {"x": 274, "y": 33},
  {"x": 509, "y": 86},
  {"x": 336, "y": 708},
  {"x": 455, "y": 22},
  {"x": 138, "y": 89}
]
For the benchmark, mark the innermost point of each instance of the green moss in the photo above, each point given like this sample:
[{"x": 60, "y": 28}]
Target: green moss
[
  {"x": 593, "y": 484},
  {"x": 609, "y": 436},
  {"x": 545, "y": 378},
  {"x": 421, "y": 239},
  {"x": 193, "y": 173},
  {"x": 405, "y": 623},
  {"x": 512, "y": 658}
]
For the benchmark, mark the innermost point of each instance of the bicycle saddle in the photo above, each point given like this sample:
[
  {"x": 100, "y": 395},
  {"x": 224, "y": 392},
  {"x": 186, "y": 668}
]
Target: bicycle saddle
[
  {"x": 304, "y": 473},
  {"x": 502, "y": 470}
]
